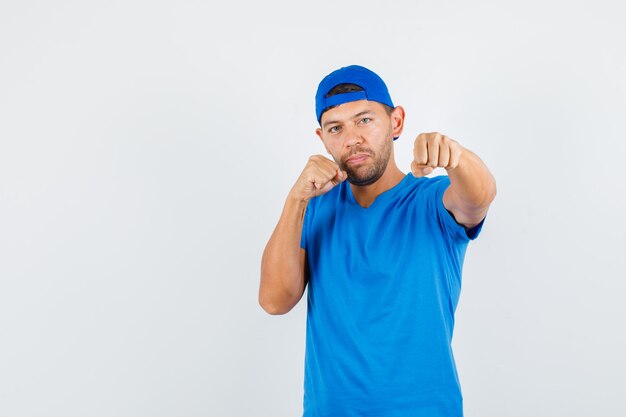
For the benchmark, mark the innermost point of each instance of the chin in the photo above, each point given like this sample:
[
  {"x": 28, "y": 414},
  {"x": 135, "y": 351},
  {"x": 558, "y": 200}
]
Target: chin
[
  {"x": 363, "y": 180},
  {"x": 365, "y": 175}
]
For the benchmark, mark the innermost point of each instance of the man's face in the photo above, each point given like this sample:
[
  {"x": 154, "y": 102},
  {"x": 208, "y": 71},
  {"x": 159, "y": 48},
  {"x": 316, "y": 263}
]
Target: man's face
[{"x": 359, "y": 136}]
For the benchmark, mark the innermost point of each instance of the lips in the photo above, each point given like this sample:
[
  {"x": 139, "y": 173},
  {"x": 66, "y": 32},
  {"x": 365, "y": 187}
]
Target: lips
[{"x": 357, "y": 159}]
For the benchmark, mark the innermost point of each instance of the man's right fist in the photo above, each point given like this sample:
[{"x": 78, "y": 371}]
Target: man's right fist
[{"x": 319, "y": 176}]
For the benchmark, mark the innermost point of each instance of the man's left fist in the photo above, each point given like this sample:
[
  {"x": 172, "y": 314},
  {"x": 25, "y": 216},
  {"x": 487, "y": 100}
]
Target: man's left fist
[{"x": 432, "y": 150}]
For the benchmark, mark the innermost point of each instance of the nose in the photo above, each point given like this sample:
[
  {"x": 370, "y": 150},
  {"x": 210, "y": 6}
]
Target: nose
[{"x": 352, "y": 137}]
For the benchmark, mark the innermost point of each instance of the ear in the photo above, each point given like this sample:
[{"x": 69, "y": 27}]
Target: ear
[
  {"x": 318, "y": 132},
  {"x": 397, "y": 121}
]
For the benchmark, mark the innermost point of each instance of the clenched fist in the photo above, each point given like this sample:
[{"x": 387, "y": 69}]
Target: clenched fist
[
  {"x": 319, "y": 176},
  {"x": 432, "y": 150}
]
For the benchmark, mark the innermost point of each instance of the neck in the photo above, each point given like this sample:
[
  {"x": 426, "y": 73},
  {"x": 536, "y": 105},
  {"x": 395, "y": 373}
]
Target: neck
[{"x": 366, "y": 194}]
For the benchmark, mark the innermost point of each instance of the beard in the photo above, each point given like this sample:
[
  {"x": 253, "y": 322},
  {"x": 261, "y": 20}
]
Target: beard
[{"x": 367, "y": 174}]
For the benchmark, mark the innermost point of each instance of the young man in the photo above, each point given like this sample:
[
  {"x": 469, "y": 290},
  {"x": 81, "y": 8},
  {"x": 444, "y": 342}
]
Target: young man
[{"x": 382, "y": 254}]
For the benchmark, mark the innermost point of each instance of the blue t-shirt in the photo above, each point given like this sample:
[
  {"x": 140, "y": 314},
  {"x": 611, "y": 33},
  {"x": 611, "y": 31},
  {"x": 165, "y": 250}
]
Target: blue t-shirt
[{"x": 383, "y": 287}]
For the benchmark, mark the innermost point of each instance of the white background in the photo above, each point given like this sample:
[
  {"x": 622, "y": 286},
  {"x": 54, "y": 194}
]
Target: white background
[{"x": 146, "y": 148}]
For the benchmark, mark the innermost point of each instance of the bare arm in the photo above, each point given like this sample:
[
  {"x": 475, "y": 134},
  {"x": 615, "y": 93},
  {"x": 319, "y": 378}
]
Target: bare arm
[
  {"x": 472, "y": 187},
  {"x": 283, "y": 266},
  {"x": 471, "y": 191},
  {"x": 283, "y": 277}
]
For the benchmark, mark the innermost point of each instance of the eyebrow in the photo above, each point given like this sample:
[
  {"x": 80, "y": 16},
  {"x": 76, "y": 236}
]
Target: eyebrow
[{"x": 359, "y": 114}]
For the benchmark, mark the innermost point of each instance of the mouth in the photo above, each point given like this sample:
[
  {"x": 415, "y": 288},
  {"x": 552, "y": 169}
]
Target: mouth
[{"x": 357, "y": 159}]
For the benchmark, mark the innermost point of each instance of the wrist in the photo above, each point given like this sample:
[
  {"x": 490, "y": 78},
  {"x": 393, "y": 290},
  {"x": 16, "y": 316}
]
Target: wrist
[
  {"x": 462, "y": 161},
  {"x": 296, "y": 199}
]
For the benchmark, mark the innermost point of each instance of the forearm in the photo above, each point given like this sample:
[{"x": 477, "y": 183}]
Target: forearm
[
  {"x": 282, "y": 265},
  {"x": 472, "y": 184}
]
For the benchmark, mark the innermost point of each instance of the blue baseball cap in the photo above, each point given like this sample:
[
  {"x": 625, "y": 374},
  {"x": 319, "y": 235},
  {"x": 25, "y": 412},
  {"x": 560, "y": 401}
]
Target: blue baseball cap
[{"x": 374, "y": 88}]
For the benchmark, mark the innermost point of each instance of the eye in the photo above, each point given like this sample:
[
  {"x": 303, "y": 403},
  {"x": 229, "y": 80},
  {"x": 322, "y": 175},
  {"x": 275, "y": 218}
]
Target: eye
[
  {"x": 334, "y": 129},
  {"x": 366, "y": 120}
]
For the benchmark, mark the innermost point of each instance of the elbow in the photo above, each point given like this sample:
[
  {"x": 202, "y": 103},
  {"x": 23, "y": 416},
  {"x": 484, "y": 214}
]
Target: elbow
[
  {"x": 273, "y": 308},
  {"x": 279, "y": 292},
  {"x": 274, "y": 305},
  {"x": 488, "y": 194},
  {"x": 493, "y": 191}
]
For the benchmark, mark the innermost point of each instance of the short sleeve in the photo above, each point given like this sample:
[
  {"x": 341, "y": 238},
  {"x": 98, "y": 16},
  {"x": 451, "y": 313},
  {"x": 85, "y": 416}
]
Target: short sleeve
[{"x": 455, "y": 230}]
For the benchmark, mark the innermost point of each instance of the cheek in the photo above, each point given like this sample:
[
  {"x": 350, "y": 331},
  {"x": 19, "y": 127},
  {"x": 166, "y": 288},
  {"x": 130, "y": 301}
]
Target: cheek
[
  {"x": 380, "y": 129},
  {"x": 332, "y": 148},
  {"x": 378, "y": 133},
  {"x": 329, "y": 145},
  {"x": 334, "y": 152}
]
